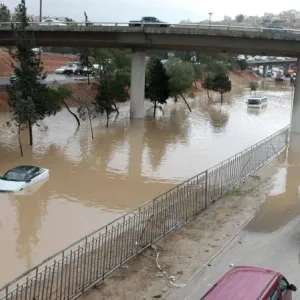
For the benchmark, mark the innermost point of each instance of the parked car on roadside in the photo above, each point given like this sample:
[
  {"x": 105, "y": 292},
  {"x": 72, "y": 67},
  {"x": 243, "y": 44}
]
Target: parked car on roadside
[
  {"x": 60, "y": 70},
  {"x": 249, "y": 283},
  {"x": 74, "y": 68}
]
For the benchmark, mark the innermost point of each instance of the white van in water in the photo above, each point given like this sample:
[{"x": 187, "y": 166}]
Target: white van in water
[{"x": 257, "y": 101}]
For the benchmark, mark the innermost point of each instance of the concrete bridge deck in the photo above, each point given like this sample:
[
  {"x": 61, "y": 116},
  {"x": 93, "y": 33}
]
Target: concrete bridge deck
[{"x": 224, "y": 39}]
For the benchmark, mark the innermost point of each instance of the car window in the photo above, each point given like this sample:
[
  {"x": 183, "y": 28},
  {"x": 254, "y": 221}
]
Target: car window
[
  {"x": 274, "y": 295},
  {"x": 284, "y": 285},
  {"x": 14, "y": 176}
]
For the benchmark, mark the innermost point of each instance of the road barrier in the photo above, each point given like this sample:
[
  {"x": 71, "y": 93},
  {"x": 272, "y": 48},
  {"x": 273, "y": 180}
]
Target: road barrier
[{"x": 72, "y": 271}]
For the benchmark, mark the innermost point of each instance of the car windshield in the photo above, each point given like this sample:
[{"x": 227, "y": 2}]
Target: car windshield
[{"x": 14, "y": 176}]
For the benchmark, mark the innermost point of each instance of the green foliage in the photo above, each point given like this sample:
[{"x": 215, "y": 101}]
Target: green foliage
[
  {"x": 253, "y": 86},
  {"x": 197, "y": 71},
  {"x": 221, "y": 84},
  {"x": 111, "y": 89},
  {"x": 30, "y": 99},
  {"x": 181, "y": 75},
  {"x": 208, "y": 82},
  {"x": 242, "y": 64},
  {"x": 240, "y": 18},
  {"x": 157, "y": 83},
  {"x": 4, "y": 13}
]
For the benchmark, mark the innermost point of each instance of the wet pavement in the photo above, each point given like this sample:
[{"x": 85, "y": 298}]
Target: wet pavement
[{"x": 270, "y": 240}]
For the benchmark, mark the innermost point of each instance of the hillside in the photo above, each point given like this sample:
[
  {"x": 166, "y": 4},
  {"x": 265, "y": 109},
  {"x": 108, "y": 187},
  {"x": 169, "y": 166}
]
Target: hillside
[{"x": 51, "y": 62}]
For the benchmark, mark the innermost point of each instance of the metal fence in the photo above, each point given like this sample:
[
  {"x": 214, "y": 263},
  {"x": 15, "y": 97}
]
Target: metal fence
[{"x": 72, "y": 271}]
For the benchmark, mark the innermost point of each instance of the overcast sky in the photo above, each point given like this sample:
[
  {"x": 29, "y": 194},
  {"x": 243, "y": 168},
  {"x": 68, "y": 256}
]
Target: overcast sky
[{"x": 166, "y": 10}]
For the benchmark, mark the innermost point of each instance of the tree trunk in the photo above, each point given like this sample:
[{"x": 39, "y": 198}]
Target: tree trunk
[
  {"x": 20, "y": 142},
  {"x": 221, "y": 98},
  {"x": 207, "y": 91},
  {"x": 195, "y": 82},
  {"x": 30, "y": 133},
  {"x": 88, "y": 76},
  {"x": 69, "y": 110},
  {"x": 90, "y": 120},
  {"x": 116, "y": 108},
  {"x": 185, "y": 101},
  {"x": 107, "y": 119},
  {"x": 154, "y": 111}
]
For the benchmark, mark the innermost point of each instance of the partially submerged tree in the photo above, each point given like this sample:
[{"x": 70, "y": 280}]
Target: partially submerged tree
[
  {"x": 207, "y": 84},
  {"x": 253, "y": 86},
  {"x": 30, "y": 99},
  {"x": 157, "y": 84},
  {"x": 221, "y": 84},
  {"x": 197, "y": 73},
  {"x": 111, "y": 89},
  {"x": 242, "y": 64},
  {"x": 181, "y": 77},
  {"x": 61, "y": 93}
]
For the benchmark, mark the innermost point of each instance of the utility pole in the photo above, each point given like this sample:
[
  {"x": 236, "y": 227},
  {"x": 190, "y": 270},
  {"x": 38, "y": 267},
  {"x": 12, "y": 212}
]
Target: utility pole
[
  {"x": 41, "y": 16},
  {"x": 210, "y": 13}
]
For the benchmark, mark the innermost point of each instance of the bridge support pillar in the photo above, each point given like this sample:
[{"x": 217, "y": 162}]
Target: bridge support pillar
[
  {"x": 295, "y": 116},
  {"x": 138, "y": 73},
  {"x": 265, "y": 70}
]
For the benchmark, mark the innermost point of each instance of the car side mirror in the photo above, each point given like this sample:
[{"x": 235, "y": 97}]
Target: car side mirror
[
  {"x": 27, "y": 181},
  {"x": 292, "y": 288}
]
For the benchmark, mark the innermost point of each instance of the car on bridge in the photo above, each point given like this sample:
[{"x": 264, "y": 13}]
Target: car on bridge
[
  {"x": 52, "y": 22},
  {"x": 149, "y": 22}
]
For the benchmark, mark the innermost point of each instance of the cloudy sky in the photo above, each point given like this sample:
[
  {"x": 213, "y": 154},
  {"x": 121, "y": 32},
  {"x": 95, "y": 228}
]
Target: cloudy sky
[{"x": 166, "y": 10}]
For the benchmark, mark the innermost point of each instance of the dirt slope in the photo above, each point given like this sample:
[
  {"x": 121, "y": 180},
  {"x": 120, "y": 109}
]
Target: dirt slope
[{"x": 51, "y": 62}]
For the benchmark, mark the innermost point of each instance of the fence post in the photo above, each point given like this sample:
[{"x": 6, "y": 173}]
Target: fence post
[
  {"x": 206, "y": 187},
  {"x": 6, "y": 292}
]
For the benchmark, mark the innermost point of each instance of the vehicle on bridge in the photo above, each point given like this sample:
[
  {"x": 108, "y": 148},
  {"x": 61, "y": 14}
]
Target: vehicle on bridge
[
  {"x": 249, "y": 283},
  {"x": 52, "y": 22},
  {"x": 149, "y": 22},
  {"x": 257, "y": 101},
  {"x": 21, "y": 177}
]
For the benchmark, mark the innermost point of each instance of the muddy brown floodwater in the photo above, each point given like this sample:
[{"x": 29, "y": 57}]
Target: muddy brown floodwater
[{"x": 94, "y": 181}]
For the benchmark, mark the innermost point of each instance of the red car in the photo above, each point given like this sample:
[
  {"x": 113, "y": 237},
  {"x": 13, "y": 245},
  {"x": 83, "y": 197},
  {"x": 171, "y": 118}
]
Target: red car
[{"x": 251, "y": 283}]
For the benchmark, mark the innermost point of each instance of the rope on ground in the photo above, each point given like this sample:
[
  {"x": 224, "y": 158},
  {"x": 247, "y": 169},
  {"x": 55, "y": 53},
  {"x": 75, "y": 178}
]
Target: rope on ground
[{"x": 170, "y": 278}]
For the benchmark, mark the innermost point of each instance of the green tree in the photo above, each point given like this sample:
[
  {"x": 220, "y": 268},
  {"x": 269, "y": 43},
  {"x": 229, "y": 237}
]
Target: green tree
[
  {"x": 157, "y": 83},
  {"x": 240, "y": 18},
  {"x": 221, "y": 84},
  {"x": 111, "y": 89},
  {"x": 30, "y": 99},
  {"x": 61, "y": 93},
  {"x": 181, "y": 77},
  {"x": 242, "y": 64},
  {"x": 253, "y": 86},
  {"x": 207, "y": 84},
  {"x": 4, "y": 13}
]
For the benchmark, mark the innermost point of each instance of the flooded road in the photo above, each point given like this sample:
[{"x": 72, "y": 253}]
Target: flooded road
[{"x": 93, "y": 181}]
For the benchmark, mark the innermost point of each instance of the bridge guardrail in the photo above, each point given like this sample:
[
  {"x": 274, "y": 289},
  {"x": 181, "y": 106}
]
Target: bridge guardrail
[
  {"x": 187, "y": 25},
  {"x": 70, "y": 272}
]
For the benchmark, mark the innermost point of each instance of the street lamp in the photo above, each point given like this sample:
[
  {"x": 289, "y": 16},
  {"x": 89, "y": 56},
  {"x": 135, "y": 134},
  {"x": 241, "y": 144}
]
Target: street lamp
[
  {"x": 210, "y": 13},
  {"x": 41, "y": 6}
]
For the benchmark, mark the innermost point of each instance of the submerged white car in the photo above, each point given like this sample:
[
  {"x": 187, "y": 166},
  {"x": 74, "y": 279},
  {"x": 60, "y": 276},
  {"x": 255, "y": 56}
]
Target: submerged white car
[{"x": 21, "y": 177}]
